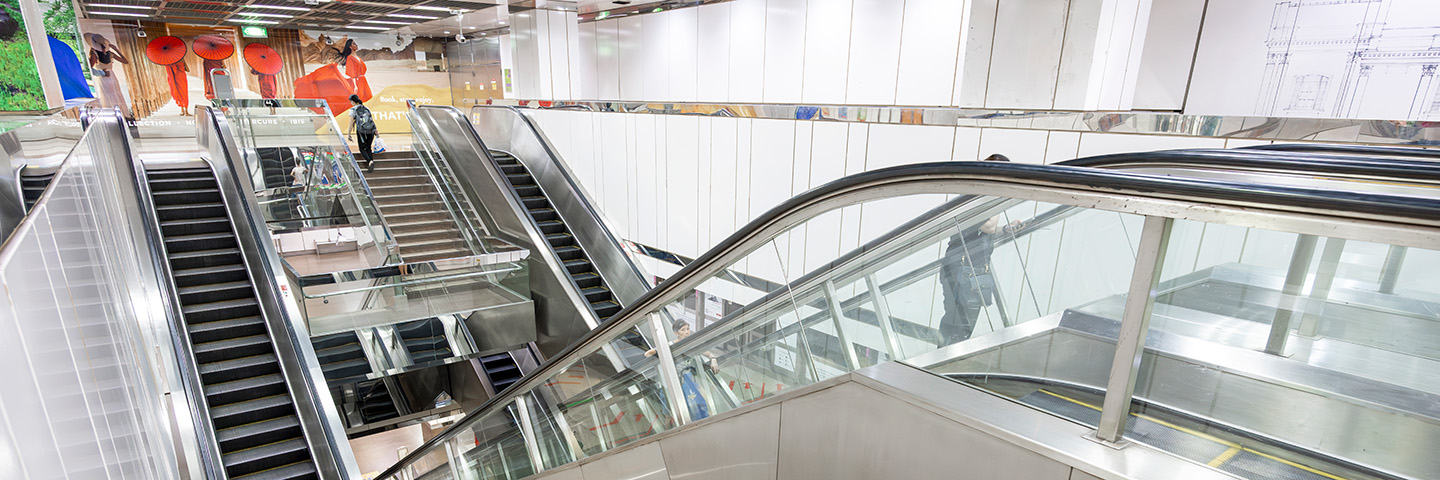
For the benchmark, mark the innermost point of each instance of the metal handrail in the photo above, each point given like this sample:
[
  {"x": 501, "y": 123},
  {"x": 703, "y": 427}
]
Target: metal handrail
[
  {"x": 1358, "y": 163},
  {"x": 1145, "y": 194},
  {"x": 448, "y": 197},
  {"x": 1349, "y": 149}
]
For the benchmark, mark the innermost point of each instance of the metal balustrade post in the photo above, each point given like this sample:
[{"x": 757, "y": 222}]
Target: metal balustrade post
[
  {"x": 1134, "y": 326},
  {"x": 1314, "y": 309},
  {"x": 532, "y": 447},
  {"x": 1290, "y": 294},
  {"x": 882, "y": 310},
  {"x": 670, "y": 375},
  {"x": 832, "y": 299},
  {"x": 1390, "y": 273}
]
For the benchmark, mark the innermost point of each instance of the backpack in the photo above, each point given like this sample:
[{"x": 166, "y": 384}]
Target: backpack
[{"x": 364, "y": 123}]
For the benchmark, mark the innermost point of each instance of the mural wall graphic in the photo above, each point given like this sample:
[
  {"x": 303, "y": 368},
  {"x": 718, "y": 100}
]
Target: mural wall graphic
[{"x": 169, "y": 78}]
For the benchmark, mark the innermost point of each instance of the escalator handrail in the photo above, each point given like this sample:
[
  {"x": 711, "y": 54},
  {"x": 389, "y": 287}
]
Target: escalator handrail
[
  {"x": 1326, "y": 163},
  {"x": 949, "y": 177},
  {"x": 560, "y": 166},
  {"x": 305, "y": 380},
  {"x": 1375, "y": 150}
]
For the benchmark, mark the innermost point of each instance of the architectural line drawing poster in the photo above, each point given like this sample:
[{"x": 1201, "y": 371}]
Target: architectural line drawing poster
[{"x": 1369, "y": 59}]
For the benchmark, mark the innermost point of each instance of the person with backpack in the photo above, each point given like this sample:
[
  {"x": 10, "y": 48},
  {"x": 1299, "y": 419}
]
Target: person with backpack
[{"x": 364, "y": 124}]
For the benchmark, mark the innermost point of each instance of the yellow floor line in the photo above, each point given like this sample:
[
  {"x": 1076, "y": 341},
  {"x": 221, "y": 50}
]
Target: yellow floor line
[{"x": 1235, "y": 448}]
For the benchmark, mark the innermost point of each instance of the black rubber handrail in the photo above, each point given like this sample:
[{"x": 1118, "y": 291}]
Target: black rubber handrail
[
  {"x": 1353, "y": 165},
  {"x": 1376, "y": 150},
  {"x": 1407, "y": 211}
]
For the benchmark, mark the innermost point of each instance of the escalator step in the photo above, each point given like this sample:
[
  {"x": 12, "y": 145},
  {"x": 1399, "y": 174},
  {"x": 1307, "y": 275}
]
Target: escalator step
[
  {"x": 520, "y": 179},
  {"x": 233, "y": 348},
  {"x": 347, "y": 368},
  {"x": 199, "y": 241},
  {"x": 180, "y": 183},
  {"x": 186, "y": 197},
  {"x": 502, "y": 370},
  {"x": 236, "y": 369},
  {"x": 605, "y": 309},
  {"x": 209, "y": 312},
  {"x": 570, "y": 252},
  {"x": 195, "y": 225},
  {"x": 255, "y": 459},
  {"x": 596, "y": 294},
  {"x": 168, "y": 173},
  {"x": 244, "y": 389},
  {"x": 535, "y": 202},
  {"x": 259, "y": 433},
  {"x": 551, "y": 226},
  {"x": 560, "y": 239},
  {"x": 578, "y": 266},
  {"x": 198, "y": 210},
  {"x": 227, "y": 329},
  {"x": 586, "y": 280},
  {"x": 211, "y": 274},
  {"x": 303, "y": 470},
  {"x": 216, "y": 292},
  {"x": 512, "y": 169},
  {"x": 250, "y": 411},
  {"x": 542, "y": 214},
  {"x": 205, "y": 258}
]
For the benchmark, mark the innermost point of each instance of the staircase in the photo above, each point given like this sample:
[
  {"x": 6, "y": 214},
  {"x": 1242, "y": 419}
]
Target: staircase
[{"x": 413, "y": 209}]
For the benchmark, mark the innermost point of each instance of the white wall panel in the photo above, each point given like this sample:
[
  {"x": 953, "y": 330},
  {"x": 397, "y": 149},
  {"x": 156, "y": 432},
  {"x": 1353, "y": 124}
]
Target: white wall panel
[
  {"x": 874, "y": 52},
  {"x": 507, "y": 60},
  {"x": 632, "y": 58},
  {"x": 628, "y": 198},
  {"x": 772, "y": 163},
  {"x": 587, "y": 72},
  {"x": 581, "y": 157},
  {"x": 967, "y": 144},
  {"x": 662, "y": 182},
  {"x": 713, "y": 53},
  {"x": 724, "y": 138},
  {"x": 576, "y": 56},
  {"x": 1026, "y": 54},
  {"x": 972, "y": 73},
  {"x": 684, "y": 64},
  {"x": 1023, "y": 146},
  {"x": 524, "y": 41},
  {"x": 704, "y": 180},
  {"x": 1169, "y": 52},
  {"x": 1080, "y": 75},
  {"x": 656, "y": 50},
  {"x": 559, "y": 55},
  {"x": 747, "y": 50},
  {"x": 892, "y": 145},
  {"x": 855, "y": 147},
  {"x": 929, "y": 47},
  {"x": 1062, "y": 146},
  {"x": 612, "y": 173},
  {"x": 827, "y": 152},
  {"x": 744, "y": 134},
  {"x": 607, "y": 60},
  {"x": 682, "y": 176},
  {"x": 827, "y": 50},
  {"x": 800, "y": 182},
  {"x": 1092, "y": 144},
  {"x": 784, "y": 50}
]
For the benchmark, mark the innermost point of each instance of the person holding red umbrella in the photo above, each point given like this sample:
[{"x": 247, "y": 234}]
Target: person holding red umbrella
[
  {"x": 214, "y": 49},
  {"x": 169, "y": 51},
  {"x": 264, "y": 62}
]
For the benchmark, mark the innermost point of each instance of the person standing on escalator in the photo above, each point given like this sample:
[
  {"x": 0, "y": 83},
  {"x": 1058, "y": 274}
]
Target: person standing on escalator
[
  {"x": 967, "y": 279},
  {"x": 364, "y": 124}
]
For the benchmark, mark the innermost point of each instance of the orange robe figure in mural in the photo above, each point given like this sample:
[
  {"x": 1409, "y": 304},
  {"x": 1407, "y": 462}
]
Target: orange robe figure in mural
[
  {"x": 330, "y": 84},
  {"x": 179, "y": 85}
]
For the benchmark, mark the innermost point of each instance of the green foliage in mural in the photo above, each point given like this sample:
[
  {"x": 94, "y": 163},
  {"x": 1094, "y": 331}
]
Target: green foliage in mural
[
  {"x": 20, "y": 87},
  {"x": 60, "y": 23}
]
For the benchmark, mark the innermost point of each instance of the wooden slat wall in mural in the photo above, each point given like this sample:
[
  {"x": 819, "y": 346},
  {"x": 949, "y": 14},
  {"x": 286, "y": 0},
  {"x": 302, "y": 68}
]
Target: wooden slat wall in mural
[
  {"x": 148, "y": 90},
  {"x": 287, "y": 43}
]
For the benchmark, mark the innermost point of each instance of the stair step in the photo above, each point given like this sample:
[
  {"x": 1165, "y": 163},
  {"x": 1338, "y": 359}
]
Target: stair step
[{"x": 245, "y": 389}]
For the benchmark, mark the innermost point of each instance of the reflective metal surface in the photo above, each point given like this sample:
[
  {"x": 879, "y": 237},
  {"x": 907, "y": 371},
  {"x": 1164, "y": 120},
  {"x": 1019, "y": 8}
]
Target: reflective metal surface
[{"x": 1386, "y": 132}]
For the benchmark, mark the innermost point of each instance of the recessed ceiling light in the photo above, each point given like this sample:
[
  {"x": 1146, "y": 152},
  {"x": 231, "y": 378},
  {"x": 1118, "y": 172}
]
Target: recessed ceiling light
[
  {"x": 418, "y": 17},
  {"x": 276, "y": 15},
  {"x": 278, "y": 7},
  {"x": 362, "y": 27},
  {"x": 433, "y": 9},
  {"x": 382, "y": 22},
  {"x": 136, "y": 7},
  {"x": 502, "y": 22},
  {"x": 249, "y": 20},
  {"x": 447, "y": 32},
  {"x": 472, "y": 28},
  {"x": 122, "y": 14},
  {"x": 523, "y": 15}
]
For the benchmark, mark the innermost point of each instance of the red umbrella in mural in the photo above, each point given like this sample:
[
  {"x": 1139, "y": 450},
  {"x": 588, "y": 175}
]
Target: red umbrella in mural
[
  {"x": 265, "y": 62},
  {"x": 214, "y": 49},
  {"x": 170, "y": 52}
]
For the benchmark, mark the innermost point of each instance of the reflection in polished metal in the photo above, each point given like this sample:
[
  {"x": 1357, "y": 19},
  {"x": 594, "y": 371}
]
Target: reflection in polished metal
[
  {"x": 1130, "y": 345},
  {"x": 1389, "y": 132}
]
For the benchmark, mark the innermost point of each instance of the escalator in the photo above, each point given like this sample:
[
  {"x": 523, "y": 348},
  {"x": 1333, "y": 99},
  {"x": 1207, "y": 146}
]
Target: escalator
[
  {"x": 1215, "y": 399},
  {"x": 33, "y": 184},
  {"x": 558, "y": 235},
  {"x": 254, "y": 417}
]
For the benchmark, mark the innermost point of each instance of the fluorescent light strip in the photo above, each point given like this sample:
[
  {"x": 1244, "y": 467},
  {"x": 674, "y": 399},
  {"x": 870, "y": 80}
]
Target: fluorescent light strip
[
  {"x": 110, "y": 5},
  {"x": 122, "y": 14},
  {"x": 362, "y": 27},
  {"x": 275, "y": 15},
  {"x": 247, "y": 20},
  {"x": 419, "y": 17},
  {"x": 435, "y": 9},
  {"x": 278, "y": 7},
  {"x": 382, "y": 22}
]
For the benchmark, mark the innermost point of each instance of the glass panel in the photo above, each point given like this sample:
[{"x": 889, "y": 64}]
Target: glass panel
[{"x": 1266, "y": 346}]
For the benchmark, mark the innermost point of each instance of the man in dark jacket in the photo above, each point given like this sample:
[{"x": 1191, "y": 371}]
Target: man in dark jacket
[{"x": 967, "y": 279}]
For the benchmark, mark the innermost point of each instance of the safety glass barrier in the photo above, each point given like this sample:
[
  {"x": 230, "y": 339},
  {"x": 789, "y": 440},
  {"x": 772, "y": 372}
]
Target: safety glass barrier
[
  {"x": 1043, "y": 296},
  {"x": 83, "y": 329},
  {"x": 461, "y": 212}
]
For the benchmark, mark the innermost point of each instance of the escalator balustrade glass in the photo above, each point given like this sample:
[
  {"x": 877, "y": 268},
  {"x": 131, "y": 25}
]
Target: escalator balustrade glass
[{"x": 1244, "y": 342}]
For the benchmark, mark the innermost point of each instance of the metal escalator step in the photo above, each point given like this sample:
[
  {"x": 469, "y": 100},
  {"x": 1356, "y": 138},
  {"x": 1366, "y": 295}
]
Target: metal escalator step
[
  {"x": 205, "y": 312},
  {"x": 205, "y": 258},
  {"x": 185, "y": 197},
  {"x": 512, "y": 169},
  {"x": 586, "y": 280},
  {"x": 520, "y": 179},
  {"x": 199, "y": 241},
  {"x": 578, "y": 265},
  {"x": 251, "y": 388},
  {"x": 227, "y": 329},
  {"x": 195, "y": 210},
  {"x": 265, "y": 457},
  {"x": 232, "y": 348},
  {"x": 569, "y": 252},
  {"x": 504, "y": 369},
  {"x": 187, "y": 277},
  {"x": 595, "y": 294},
  {"x": 236, "y": 369},
  {"x": 295, "y": 471},
  {"x": 542, "y": 214},
  {"x": 259, "y": 433},
  {"x": 606, "y": 308},
  {"x": 250, "y": 411},
  {"x": 353, "y": 367},
  {"x": 560, "y": 239},
  {"x": 551, "y": 226},
  {"x": 167, "y": 173},
  {"x": 195, "y": 225},
  {"x": 216, "y": 292},
  {"x": 181, "y": 183}
]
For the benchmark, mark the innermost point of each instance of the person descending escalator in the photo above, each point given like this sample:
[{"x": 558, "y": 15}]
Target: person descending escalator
[
  {"x": 967, "y": 280},
  {"x": 699, "y": 407},
  {"x": 364, "y": 124}
]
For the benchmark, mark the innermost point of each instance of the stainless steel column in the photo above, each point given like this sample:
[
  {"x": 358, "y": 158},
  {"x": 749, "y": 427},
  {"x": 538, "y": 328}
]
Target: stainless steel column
[{"x": 1134, "y": 326}]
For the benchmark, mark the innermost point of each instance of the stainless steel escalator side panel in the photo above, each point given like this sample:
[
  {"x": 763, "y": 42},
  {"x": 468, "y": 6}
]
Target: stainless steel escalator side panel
[
  {"x": 12, "y": 196},
  {"x": 508, "y": 129},
  {"x": 194, "y": 420},
  {"x": 556, "y": 295},
  {"x": 319, "y": 419}
]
